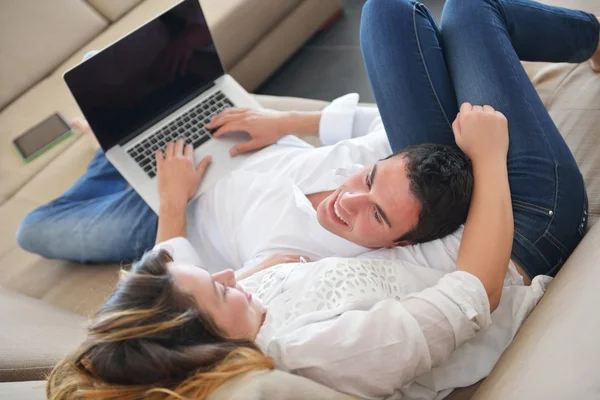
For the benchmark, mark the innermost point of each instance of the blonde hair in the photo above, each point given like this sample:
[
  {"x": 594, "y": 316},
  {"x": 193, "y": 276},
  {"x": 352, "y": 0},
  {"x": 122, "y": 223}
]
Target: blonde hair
[{"x": 149, "y": 341}]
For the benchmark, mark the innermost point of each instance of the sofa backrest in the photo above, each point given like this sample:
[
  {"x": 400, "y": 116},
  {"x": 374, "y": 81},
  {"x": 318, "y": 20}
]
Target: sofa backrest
[{"x": 37, "y": 36}]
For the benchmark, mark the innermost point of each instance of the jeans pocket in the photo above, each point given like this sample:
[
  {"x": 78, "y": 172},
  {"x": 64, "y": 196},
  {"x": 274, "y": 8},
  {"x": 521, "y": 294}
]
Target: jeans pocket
[{"x": 531, "y": 221}]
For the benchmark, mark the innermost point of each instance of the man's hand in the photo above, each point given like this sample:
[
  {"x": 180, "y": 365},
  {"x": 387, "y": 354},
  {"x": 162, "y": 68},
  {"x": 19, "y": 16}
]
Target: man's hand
[
  {"x": 178, "y": 178},
  {"x": 481, "y": 133},
  {"x": 265, "y": 127}
]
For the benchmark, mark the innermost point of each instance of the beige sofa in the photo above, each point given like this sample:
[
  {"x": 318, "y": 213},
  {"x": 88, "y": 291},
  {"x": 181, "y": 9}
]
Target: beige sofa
[{"x": 43, "y": 303}]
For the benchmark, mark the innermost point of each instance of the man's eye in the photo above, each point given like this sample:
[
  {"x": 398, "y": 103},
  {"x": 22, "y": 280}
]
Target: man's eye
[
  {"x": 225, "y": 289},
  {"x": 368, "y": 181},
  {"x": 377, "y": 217}
]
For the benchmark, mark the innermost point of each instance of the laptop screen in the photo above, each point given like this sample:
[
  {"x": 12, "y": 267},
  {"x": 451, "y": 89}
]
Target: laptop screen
[{"x": 137, "y": 81}]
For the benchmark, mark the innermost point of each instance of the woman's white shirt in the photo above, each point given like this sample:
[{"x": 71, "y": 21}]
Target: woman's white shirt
[{"x": 380, "y": 328}]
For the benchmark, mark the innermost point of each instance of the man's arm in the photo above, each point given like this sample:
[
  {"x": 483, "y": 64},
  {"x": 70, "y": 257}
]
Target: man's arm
[
  {"x": 340, "y": 120},
  {"x": 178, "y": 181}
]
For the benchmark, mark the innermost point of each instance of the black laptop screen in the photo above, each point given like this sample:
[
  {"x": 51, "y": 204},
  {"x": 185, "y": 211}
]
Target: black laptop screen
[{"x": 148, "y": 74}]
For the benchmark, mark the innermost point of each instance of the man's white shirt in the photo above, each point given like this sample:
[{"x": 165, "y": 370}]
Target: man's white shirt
[{"x": 261, "y": 208}]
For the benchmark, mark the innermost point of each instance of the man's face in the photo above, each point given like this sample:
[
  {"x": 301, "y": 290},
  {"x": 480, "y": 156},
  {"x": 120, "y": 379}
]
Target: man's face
[{"x": 373, "y": 207}]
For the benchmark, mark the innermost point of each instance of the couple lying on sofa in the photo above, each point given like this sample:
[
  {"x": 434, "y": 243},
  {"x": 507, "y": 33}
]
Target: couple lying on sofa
[{"x": 392, "y": 317}]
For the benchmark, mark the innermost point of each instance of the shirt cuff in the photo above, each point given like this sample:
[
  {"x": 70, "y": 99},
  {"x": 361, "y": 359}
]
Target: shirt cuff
[
  {"x": 181, "y": 251},
  {"x": 461, "y": 297},
  {"x": 337, "y": 119}
]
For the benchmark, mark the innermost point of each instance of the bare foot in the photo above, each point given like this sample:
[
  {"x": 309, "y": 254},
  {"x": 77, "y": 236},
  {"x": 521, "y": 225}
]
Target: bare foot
[
  {"x": 596, "y": 57},
  {"x": 83, "y": 127}
]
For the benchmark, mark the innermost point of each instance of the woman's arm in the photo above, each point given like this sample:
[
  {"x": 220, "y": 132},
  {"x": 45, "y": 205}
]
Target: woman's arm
[
  {"x": 372, "y": 353},
  {"x": 482, "y": 133},
  {"x": 178, "y": 181}
]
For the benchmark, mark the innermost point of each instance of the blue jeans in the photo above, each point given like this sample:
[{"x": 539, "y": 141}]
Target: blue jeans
[{"x": 420, "y": 74}]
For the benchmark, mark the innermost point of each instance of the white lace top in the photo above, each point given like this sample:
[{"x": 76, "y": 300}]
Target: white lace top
[{"x": 379, "y": 328}]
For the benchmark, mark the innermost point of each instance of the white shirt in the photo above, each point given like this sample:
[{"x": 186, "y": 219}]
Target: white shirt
[
  {"x": 262, "y": 209},
  {"x": 378, "y": 328}
]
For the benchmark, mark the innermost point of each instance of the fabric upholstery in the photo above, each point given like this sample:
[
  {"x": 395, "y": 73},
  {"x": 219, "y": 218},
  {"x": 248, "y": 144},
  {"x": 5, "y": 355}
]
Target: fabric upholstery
[
  {"x": 44, "y": 99},
  {"x": 255, "y": 18},
  {"x": 557, "y": 352},
  {"x": 281, "y": 42},
  {"x": 30, "y": 390},
  {"x": 112, "y": 10},
  {"x": 32, "y": 46},
  {"x": 50, "y": 333},
  {"x": 274, "y": 385}
]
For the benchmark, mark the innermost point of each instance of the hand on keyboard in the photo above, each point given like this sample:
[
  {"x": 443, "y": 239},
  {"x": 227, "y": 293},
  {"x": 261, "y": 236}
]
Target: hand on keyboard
[
  {"x": 265, "y": 127},
  {"x": 178, "y": 178}
]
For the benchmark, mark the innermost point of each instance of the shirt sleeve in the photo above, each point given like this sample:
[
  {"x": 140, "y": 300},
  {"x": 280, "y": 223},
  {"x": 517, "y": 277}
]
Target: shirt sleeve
[
  {"x": 345, "y": 119},
  {"x": 372, "y": 353},
  {"x": 181, "y": 250}
]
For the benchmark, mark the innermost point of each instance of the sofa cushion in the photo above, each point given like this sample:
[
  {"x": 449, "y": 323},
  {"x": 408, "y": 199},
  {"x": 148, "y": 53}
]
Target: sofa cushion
[
  {"x": 257, "y": 17},
  {"x": 31, "y": 390},
  {"x": 45, "y": 98},
  {"x": 274, "y": 384},
  {"x": 113, "y": 9},
  {"x": 73, "y": 287},
  {"x": 34, "y": 336},
  {"x": 557, "y": 351},
  {"x": 35, "y": 45}
]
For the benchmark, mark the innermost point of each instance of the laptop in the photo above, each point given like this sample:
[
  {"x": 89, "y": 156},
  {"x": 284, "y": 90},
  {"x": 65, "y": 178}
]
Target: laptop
[{"x": 162, "y": 82}]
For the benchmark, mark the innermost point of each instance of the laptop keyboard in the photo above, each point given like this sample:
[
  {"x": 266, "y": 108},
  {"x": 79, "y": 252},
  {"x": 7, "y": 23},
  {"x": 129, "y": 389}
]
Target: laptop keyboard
[{"x": 189, "y": 126}]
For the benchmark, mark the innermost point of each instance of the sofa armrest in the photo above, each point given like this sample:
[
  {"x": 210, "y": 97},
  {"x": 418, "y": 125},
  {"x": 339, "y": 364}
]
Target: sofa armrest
[
  {"x": 556, "y": 353},
  {"x": 34, "y": 336},
  {"x": 274, "y": 384}
]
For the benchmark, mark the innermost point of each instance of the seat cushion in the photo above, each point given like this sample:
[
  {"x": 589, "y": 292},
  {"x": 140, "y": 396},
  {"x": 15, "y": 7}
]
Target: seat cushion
[
  {"x": 34, "y": 336},
  {"x": 31, "y": 390},
  {"x": 37, "y": 35},
  {"x": 275, "y": 384},
  {"x": 113, "y": 9},
  {"x": 556, "y": 353}
]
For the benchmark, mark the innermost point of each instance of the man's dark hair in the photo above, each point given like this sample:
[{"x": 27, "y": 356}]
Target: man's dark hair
[{"x": 441, "y": 178}]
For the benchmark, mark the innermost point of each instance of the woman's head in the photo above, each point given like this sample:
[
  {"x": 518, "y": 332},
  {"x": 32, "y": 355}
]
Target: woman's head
[
  {"x": 166, "y": 328},
  {"x": 234, "y": 311}
]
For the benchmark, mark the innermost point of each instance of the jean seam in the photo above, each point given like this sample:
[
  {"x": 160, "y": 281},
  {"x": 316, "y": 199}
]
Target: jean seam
[
  {"x": 425, "y": 65},
  {"x": 549, "y": 10},
  {"x": 531, "y": 246},
  {"x": 556, "y": 243},
  {"x": 539, "y": 125},
  {"x": 532, "y": 207}
]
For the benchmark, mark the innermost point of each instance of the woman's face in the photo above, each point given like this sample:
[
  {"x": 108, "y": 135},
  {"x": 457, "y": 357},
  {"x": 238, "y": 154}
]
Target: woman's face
[{"x": 235, "y": 311}]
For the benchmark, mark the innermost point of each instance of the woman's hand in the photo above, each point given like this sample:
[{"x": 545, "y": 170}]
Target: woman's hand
[
  {"x": 265, "y": 127},
  {"x": 481, "y": 133},
  {"x": 178, "y": 178},
  {"x": 272, "y": 261}
]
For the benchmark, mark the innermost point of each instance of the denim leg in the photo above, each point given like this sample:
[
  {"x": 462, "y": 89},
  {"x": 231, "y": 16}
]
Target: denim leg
[
  {"x": 97, "y": 220},
  {"x": 402, "y": 50},
  {"x": 484, "y": 41}
]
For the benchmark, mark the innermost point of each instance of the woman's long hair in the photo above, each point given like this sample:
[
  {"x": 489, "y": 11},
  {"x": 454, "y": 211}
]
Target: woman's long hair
[{"x": 151, "y": 341}]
